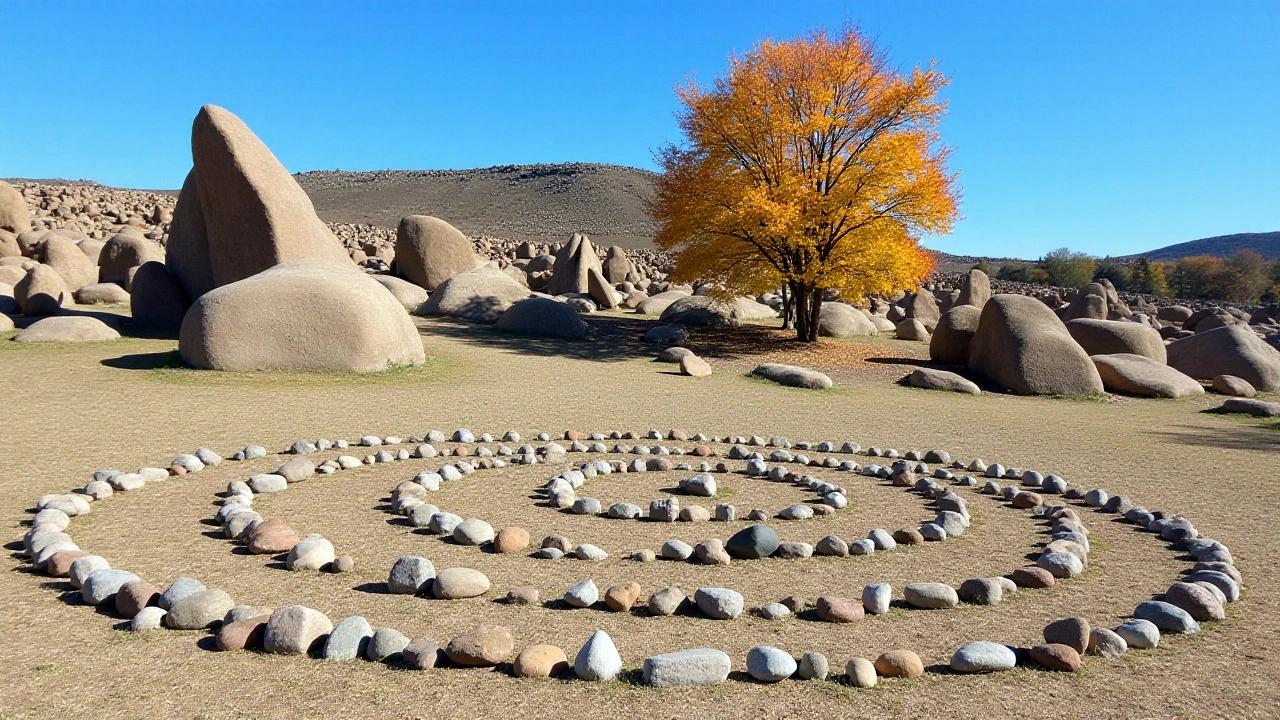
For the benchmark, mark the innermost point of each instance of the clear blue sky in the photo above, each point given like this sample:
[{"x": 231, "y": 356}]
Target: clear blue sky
[{"x": 1110, "y": 126}]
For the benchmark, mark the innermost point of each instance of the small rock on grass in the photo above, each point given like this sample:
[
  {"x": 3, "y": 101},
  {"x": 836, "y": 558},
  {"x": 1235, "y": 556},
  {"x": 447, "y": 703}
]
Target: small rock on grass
[
  {"x": 769, "y": 664},
  {"x": 1054, "y": 656},
  {"x": 598, "y": 659},
  {"x": 861, "y": 673},
  {"x": 699, "y": 666},
  {"x": 899, "y": 664},
  {"x": 983, "y": 657},
  {"x": 540, "y": 661}
]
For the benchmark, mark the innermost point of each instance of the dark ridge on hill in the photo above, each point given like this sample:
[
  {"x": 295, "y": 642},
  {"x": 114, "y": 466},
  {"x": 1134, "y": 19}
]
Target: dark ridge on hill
[
  {"x": 521, "y": 202},
  {"x": 1265, "y": 244}
]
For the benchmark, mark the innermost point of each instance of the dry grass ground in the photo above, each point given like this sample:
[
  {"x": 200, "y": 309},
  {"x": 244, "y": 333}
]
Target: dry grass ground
[{"x": 70, "y": 410}]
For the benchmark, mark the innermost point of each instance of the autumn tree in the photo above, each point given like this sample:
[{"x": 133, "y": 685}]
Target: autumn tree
[
  {"x": 811, "y": 164},
  {"x": 1147, "y": 277}
]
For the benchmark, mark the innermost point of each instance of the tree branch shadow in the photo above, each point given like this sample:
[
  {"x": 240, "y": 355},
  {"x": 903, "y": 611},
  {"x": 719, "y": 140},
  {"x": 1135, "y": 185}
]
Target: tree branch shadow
[{"x": 1239, "y": 437}]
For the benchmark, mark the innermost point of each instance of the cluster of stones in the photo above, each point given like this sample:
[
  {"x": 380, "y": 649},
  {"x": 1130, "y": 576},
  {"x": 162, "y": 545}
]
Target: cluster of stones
[
  {"x": 1212, "y": 582},
  {"x": 1089, "y": 342},
  {"x": 942, "y": 284},
  {"x": 96, "y": 211}
]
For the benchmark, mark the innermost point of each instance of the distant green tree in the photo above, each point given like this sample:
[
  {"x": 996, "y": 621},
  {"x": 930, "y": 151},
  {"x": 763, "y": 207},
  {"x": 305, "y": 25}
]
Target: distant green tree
[
  {"x": 1022, "y": 272},
  {"x": 983, "y": 265},
  {"x": 1068, "y": 269},
  {"x": 1147, "y": 277},
  {"x": 1112, "y": 270}
]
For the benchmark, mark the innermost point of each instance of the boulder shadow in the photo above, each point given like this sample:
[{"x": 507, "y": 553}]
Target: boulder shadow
[{"x": 146, "y": 361}]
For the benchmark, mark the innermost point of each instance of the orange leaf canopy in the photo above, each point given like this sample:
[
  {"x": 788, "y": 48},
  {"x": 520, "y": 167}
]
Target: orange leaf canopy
[{"x": 810, "y": 162}]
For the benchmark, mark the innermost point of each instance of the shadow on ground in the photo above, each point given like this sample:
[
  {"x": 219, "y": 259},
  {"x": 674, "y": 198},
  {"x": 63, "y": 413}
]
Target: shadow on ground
[
  {"x": 145, "y": 361},
  {"x": 1237, "y": 437},
  {"x": 614, "y": 339}
]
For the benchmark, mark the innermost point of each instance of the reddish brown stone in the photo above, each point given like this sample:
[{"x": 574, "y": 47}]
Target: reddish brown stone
[
  {"x": 511, "y": 539},
  {"x": 59, "y": 564},
  {"x": 422, "y": 654},
  {"x": 135, "y": 595},
  {"x": 243, "y": 634},
  {"x": 271, "y": 537},
  {"x": 1032, "y": 576},
  {"x": 794, "y": 603},
  {"x": 1196, "y": 600},
  {"x": 907, "y": 536},
  {"x": 1053, "y": 656},
  {"x": 839, "y": 610},
  {"x": 1027, "y": 500}
]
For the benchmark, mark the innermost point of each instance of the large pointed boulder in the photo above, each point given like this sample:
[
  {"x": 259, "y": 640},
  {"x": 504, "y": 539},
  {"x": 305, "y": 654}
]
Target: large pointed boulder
[
  {"x": 300, "y": 315},
  {"x": 573, "y": 265},
  {"x": 186, "y": 255},
  {"x": 923, "y": 307},
  {"x": 617, "y": 266},
  {"x": 975, "y": 290},
  {"x": 256, "y": 215},
  {"x": 1021, "y": 345},
  {"x": 430, "y": 251}
]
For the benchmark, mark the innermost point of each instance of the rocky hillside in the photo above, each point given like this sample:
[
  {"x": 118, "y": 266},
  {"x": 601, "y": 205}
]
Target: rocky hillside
[
  {"x": 1265, "y": 244},
  {"x": 539, "y": 203}
]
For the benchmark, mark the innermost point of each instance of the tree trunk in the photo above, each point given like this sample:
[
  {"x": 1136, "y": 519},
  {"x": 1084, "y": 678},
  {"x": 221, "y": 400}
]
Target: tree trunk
[
  {"x": 807, "y": 303},
  {"x": 815, "y": 310}
]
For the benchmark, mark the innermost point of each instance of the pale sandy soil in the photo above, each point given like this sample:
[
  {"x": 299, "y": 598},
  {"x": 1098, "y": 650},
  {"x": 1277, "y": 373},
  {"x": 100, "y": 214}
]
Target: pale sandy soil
[{"x": 70, "y": 410}]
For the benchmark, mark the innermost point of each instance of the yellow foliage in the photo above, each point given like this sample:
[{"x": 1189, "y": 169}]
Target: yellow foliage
[{"x": 811, "y": 163}]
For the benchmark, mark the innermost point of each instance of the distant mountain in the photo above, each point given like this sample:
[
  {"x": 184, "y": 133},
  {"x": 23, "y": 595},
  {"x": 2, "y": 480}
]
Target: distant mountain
[
  {"x": 521, "y": 202},
  {"x": 1265, "y": 244}
]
